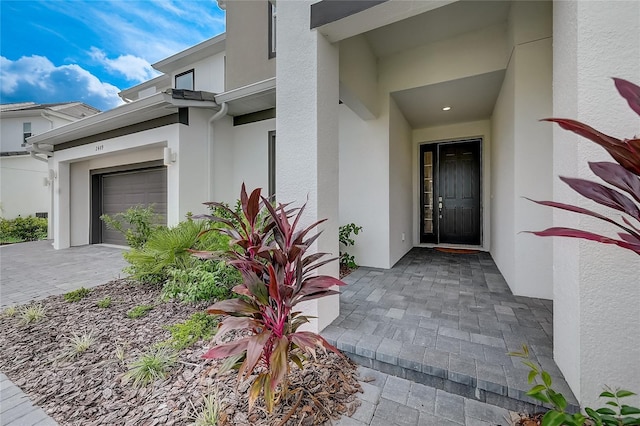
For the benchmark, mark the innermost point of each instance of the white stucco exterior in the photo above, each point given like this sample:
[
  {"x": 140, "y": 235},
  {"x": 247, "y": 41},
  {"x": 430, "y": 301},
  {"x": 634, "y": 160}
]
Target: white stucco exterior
[
  {"x": 24, "y": 190},
  {"x": 596, "y": 287}
]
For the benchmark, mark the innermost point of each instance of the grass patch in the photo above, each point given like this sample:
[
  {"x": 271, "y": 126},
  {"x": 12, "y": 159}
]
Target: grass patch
[
  {"x": 7, "y": 239},
  {"x": 78, "y": 344},
  {"x": 199, "y": 326},
  {"x": 139, "y": 311},
  {"x": 76, "y": 295},
  {"x": 151, "y": 366},
  {"x": 10, "y": 311},
  {"x": 104, "y": 303},
  {"x": 32, "y": 313},
  {"x": 209, "y": 412}
]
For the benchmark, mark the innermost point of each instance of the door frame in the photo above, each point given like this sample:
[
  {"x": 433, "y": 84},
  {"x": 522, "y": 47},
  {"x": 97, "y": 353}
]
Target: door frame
[{"x": 434, "y": 146}]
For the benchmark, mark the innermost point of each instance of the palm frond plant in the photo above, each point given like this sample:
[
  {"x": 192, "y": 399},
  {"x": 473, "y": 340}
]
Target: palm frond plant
[{"x": 277, "y": 274}]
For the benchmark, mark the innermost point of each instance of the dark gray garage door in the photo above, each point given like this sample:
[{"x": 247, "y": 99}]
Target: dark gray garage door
[{"x": 120, "y": 191}]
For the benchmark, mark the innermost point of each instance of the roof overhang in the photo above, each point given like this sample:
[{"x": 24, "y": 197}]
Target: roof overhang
[
  {"x": 254, "y": 97},
  {"x": 193, "y": 54},
  {"x": 154, "y": 106}
]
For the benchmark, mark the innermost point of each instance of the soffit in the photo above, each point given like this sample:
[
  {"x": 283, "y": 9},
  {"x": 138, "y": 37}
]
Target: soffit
[
  {"x": 471, "y": 99},
  {"x": 444, "y": 22}
]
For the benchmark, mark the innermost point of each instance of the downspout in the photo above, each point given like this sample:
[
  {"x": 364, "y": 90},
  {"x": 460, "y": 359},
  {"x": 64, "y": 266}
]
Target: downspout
[
  {"x": 217, "y": 116},
  {"x": 34, "y": 149}
]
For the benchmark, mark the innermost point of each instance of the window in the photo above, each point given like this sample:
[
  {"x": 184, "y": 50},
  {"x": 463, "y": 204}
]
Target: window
[
  {"x": 186, "y": 80},
  {"x": 272, "y": 165},
  {"x": 26, "y": 132},
  {"x": 272, "y": 30}
]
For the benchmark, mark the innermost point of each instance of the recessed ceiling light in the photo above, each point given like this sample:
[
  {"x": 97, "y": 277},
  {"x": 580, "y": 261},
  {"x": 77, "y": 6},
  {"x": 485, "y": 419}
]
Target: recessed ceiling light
[{"x": 447, "y": 108}]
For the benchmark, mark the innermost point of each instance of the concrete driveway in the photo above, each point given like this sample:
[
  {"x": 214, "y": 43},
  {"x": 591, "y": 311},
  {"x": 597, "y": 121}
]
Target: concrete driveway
[{"x": 34, "y": 270}]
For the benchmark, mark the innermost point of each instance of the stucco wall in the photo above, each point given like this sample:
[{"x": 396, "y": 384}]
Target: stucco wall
[
  {"x": 469, "y": 54},
  {"x": 452, "y": 132},
  {"x": 596, "y": 287},
  {"x": 359, "y": 77},
  {"x": 364, "y": 184},
  {"x": 209, "y": 73},
  {"x": 11, "y": 129},
  {"x": 22, "y": 188},
  {"x": 522, "y": 156},
  {"x": 400, "y": 184},
  {"x": 247, "y": 43}
]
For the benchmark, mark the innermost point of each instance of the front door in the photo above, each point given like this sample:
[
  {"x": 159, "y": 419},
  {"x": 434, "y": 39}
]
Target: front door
[{"x": 450, "y": 193}]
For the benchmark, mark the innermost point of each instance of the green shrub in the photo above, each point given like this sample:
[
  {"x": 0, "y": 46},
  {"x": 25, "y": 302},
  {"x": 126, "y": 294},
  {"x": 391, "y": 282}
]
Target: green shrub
[
  {"x": 205, "y": 280},
  {"x": 346, "y": 240},
  {"x": 137, "y": 224},
  {"x": 168, "y": 248},
  {"x": 201, "y": 326},
  {"x": 151, "y": 366},
  {"x": 76, "y": 295},
  {"x": 139, "y": 311},
  {"x": 23, "y": 229},
  {"x": 104, "y": 303}
]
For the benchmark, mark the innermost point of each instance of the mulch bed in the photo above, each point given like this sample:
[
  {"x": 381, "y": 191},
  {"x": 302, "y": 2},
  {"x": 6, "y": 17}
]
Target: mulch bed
[{"x": 91, "y": 389}]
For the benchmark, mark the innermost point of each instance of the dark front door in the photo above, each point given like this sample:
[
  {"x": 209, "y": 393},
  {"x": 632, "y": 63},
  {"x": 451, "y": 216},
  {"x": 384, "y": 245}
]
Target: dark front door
[{"x": 452, "y": 213}]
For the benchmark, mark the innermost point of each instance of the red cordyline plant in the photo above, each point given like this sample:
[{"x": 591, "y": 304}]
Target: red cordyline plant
[
  {"x": 624, "y": 175},
  {"x": 270, "y": 253}
]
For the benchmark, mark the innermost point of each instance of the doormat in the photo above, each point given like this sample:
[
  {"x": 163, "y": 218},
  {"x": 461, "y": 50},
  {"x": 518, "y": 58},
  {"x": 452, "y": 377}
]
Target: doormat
[{"x": 457, "y": 251}]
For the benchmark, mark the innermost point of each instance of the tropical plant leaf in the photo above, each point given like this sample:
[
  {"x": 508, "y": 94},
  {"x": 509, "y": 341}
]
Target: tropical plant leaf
[
  {"x": 575, "y": 233},
  {"x": 603, "y": 195},
  {"x": 234, "y": 323},
  {"x": 617, "y": 176},
  {"x": 622, "y": 151},
  {"x": 235, "y": 307},
  {"x": 553, "y": 418},
  {"x": 254, "y": 352},
  {"x": 624, "y": 393},
  {"x": 256, "y": 388},
  {"x": 625, "y": 410},
  {"x": 630, "y": 92},
  {"x": 587, "y": 212},
  {"x": 279, "y": 361},
  {"x": 227, "y": 349}
]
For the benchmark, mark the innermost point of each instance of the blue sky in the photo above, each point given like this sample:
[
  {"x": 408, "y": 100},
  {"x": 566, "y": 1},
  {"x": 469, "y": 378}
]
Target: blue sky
[{"x": 89, "y": 50}]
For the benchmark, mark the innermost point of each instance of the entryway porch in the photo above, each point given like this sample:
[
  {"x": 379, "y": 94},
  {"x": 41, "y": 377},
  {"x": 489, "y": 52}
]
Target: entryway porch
[{"x": 447, "y": 320}]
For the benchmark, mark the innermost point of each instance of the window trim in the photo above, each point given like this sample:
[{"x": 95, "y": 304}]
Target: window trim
[
  {"x": 272, "y": 29},
  {"x": 26, "y": 134},
  {"x": 193, "y": 79}
]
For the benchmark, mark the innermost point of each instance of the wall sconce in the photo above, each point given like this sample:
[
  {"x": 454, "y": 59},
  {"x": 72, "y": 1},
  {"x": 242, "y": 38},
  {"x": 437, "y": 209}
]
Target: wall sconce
[
  {"x": 169, "y": 156},
  {"x": 52, "y": 174}
]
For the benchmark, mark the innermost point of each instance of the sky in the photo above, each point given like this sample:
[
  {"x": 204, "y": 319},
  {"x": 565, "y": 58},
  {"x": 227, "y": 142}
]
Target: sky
[{"x": 89, "y": 50}]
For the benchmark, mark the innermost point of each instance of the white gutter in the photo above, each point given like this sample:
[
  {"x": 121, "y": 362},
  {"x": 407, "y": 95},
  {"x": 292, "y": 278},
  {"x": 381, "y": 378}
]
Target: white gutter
[
  {"x": 217, "y": 116},
  {"x": 46, "y": 117},
  {"x": 34, "y": 149}
]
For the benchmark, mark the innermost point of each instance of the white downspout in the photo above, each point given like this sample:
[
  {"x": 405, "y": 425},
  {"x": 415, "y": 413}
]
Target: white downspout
[{"x": 217, "y": 116}]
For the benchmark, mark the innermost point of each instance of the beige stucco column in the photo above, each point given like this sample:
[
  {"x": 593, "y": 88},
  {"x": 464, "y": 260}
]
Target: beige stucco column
[
  {"x": 596, "y": 286},
  {"x": 307, "y": 133}
]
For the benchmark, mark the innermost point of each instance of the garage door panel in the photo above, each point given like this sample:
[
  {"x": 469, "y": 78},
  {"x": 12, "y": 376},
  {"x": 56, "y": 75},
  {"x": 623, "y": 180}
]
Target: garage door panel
[{"x": 121, "y": 191}]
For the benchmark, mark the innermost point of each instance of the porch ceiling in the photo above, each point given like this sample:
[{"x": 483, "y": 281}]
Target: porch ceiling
[
  {"x": 444, "y": 22},
  {"x": 470, "y": 99}
]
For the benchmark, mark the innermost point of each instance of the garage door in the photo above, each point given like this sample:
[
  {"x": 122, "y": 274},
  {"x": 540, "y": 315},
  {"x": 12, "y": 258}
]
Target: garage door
[{"x": 120, "y": 191}]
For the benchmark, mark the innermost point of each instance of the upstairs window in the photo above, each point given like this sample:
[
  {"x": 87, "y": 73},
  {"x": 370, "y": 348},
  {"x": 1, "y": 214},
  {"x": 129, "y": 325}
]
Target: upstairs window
[
  {"x": 26, "y": 132},
  {"x": 272, "y": 30},
  {"x": 186, "y": 80}
]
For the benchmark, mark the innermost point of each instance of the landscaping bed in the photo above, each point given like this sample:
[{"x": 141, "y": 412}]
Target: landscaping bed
[{"x": 91, "y": 387}]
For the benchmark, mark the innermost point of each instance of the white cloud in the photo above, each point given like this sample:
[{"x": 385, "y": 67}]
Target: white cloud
[
  {"x": 132, "y": 67},
  {"x": 35, "y": 78}
]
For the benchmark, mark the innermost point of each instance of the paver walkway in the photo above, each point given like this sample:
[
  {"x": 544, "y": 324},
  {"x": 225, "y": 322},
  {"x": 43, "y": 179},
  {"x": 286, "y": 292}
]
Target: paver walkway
[
  {"x": 447, "y": 321},
  {"x": 32, "y": 271}
]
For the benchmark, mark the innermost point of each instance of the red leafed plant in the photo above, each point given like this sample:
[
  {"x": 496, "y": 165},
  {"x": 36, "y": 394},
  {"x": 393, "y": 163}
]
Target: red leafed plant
[
  {"x": 623, "y": 175},
  {"x": 270, "y": 253}
]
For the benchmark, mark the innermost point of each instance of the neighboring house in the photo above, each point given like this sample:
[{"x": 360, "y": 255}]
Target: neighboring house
[
  {"x": 24, "y": 188},
  {"x": 417, "y": 120}
]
